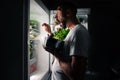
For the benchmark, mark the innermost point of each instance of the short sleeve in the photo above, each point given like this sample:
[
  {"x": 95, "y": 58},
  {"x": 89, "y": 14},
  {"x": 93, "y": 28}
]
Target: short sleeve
[{"x": 79, "y": 44}]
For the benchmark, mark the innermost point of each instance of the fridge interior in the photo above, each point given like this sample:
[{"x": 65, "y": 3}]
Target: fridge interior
[{"x": 38, "y": 58}]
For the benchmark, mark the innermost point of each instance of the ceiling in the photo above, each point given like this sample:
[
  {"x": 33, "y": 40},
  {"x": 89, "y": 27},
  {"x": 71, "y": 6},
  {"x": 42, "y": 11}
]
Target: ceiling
[{"x": 52, "y": 4}]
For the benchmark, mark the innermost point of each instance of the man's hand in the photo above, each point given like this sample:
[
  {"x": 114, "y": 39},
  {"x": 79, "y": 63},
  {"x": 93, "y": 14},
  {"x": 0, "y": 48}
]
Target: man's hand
[{"x": 47, "y": 28}]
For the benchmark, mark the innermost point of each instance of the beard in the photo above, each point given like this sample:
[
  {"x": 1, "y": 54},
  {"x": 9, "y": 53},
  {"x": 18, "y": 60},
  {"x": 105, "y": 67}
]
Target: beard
[{"x": 62, "y": 22}]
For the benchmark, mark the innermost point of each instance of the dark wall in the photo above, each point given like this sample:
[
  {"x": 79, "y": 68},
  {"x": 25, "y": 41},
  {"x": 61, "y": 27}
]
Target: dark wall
[
  {"x": 104, "y": 29},
  {"x": 15, "y": 20}
]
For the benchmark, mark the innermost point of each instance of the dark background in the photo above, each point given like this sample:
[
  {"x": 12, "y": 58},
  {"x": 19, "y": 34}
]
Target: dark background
[{"x": 104, "y": 23}]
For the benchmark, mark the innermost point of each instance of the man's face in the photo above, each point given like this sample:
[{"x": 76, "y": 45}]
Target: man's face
[
  {"x": 59, "y": 16},
  {"x": 60, "y": 19}
]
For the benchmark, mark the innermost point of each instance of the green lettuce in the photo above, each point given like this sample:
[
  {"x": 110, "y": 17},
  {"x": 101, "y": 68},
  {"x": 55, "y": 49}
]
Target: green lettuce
[{"x": 60, "y": 34}]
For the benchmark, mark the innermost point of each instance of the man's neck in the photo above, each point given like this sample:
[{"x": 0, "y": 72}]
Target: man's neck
[{"x": 71, "y": 25}]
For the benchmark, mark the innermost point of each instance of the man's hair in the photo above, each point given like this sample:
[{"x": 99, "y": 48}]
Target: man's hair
[{"x": 65, "y": 6}]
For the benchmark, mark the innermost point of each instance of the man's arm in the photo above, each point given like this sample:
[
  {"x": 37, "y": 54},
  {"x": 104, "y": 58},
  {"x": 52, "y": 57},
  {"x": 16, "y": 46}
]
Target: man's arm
[
  {"x": 78, "y": 66},
  {"x": 76, "y": 69}
]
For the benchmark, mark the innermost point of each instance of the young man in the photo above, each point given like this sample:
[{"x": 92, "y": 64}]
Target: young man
[{"x": 70, "y": 63}]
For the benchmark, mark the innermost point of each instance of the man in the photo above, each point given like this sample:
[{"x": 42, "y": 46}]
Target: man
[{"x": 70, "y": 63}]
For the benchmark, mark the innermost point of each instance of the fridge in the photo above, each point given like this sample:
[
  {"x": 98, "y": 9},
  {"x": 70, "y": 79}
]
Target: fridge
[{"x": 40, "y": 61}]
